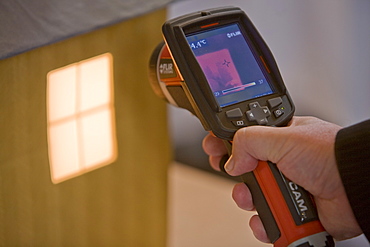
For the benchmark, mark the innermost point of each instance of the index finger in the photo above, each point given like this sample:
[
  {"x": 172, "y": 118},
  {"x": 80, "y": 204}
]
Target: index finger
[
  {"x": 214, "y": 146},
  {"x": 216, "y": 150}
]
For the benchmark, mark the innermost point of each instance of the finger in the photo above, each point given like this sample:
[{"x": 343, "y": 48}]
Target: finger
[
  {"x": 237, "y": 165},
  {"x": 251, "y": 144},
  {"x": 214, "y": 161},
  {"x": 259, "y": 231},
  {"x": 243, "y": 197},
  {"x": 213, "y": 145},
  {"x": 216, "y": 149}
]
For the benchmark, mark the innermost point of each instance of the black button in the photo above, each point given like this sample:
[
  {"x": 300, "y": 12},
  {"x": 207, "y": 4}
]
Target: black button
[
  {"x": 278, "y": 113},
  {"x": 234, "y": 113},
  {"x": 275, "y": 102},
  {"x": 254, "y": 105},
  {"x": 262, "y": 121},
  {"x": 251, "y": 116},
  {"x": 240, "y": 123}
]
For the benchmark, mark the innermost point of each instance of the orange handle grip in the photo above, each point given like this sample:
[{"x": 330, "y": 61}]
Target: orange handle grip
[{"x": 286, "y": 210}]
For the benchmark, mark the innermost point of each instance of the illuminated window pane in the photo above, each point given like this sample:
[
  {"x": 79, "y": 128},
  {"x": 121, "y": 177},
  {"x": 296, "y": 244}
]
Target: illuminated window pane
[
  {"x": 97, "y": 133},
  {"x": 81, "y": 130},
  {"x": 94, "y": 89},
  {"x": 62, "y": 85},
  {"x": 64, "y": 159}
]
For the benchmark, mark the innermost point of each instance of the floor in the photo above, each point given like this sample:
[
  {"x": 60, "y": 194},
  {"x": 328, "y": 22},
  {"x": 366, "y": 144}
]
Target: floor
[{"x": 202, "y": 212}]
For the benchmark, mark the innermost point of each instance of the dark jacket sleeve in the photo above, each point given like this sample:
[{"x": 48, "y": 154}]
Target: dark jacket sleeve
[{"x": 352, "y": 151}]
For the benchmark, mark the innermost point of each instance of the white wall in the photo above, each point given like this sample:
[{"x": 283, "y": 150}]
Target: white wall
[{"x": 323, "y": 52}]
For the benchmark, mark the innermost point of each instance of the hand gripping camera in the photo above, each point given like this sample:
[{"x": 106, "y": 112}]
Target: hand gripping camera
[{"x": 215, "y": 64}]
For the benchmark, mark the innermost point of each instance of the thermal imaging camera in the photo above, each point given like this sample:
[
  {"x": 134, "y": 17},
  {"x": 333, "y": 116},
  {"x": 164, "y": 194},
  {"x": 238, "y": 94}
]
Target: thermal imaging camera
[
  {"x": 231, "y": 78},
  {"x": 215, "y": 64}
]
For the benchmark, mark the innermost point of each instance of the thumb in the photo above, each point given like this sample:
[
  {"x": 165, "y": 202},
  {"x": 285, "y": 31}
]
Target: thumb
[{"x": 252, "y": 144}]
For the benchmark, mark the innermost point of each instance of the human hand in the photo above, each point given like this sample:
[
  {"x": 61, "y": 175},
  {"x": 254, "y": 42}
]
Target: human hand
[{"x": 304, "y": 153}]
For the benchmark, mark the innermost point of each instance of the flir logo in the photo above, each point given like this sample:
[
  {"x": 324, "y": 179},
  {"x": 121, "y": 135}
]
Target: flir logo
[{"x": 166, "y": 69}]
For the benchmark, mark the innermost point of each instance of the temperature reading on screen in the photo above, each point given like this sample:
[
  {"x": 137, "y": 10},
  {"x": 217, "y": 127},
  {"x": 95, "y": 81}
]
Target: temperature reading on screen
[
  {"x": 198, "y": 44},
  {"x": 229, "y": 65}
]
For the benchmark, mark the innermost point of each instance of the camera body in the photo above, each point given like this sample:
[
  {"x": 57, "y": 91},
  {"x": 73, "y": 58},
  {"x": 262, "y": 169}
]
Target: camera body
[{"x": 215, "y": 64}]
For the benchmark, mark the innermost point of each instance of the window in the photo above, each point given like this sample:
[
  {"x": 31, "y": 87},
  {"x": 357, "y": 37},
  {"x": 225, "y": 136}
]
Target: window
[{"x": 80, "y": 115}]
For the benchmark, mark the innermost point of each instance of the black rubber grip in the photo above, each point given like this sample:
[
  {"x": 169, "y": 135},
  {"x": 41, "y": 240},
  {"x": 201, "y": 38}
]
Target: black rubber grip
[
  {"x": 259, "y": 200},
  {"x": 262, "y": 207}
]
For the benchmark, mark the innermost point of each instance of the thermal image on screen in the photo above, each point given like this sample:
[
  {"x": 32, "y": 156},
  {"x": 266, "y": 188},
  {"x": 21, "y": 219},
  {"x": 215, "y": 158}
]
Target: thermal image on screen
[
  {"x": 220, "y": 70},
  {"x": 229, "y": 65}
]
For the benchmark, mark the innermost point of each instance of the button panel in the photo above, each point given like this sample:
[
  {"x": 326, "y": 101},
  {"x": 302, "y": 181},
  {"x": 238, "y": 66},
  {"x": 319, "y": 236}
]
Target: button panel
[{"x": 257, "y": 113}]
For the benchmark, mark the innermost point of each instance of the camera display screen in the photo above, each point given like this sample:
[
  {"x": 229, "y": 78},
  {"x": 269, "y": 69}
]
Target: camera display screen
[{"x": 229, "y": 65}]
